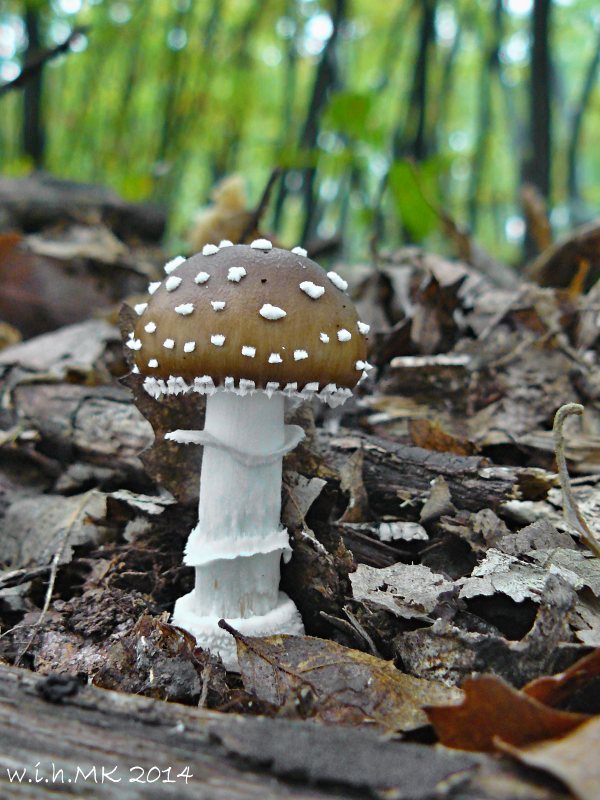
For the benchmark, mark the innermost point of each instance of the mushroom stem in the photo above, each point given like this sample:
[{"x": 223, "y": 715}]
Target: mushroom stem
[{"x": 237, "y": 545}]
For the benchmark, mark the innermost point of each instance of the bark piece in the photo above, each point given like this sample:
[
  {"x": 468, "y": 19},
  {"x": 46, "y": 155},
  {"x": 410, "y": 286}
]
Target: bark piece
[
  {"x": 394, "y": 472},
  {"x": 229, "y": 757},
  {"x": 40, "y": 200}
]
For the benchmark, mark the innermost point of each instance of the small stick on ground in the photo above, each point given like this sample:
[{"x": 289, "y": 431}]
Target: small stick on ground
[
  {"x": 206, "y": 675},
  {"x": 571, "y": 510}
]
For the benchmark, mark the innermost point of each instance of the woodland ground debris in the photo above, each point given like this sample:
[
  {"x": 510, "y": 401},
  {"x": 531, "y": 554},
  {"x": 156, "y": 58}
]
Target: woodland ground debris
[{"x": 426, "y": 520}]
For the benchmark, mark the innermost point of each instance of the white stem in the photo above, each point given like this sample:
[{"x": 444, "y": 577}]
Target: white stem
[{"x": 237, "y": 545}]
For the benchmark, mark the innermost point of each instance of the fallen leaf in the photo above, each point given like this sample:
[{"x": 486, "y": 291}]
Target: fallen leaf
[
  {"x": 494, "y": 710},
  {"x": 505, "y": 574},
  {"x": 555, "y": 266},
  {"x": 75, "y": 349},
  {"x": 33, "y": 527},
  {"x": 410, "y": 591},
  {"x": 556, "y": 690},
  {"x": 226, "y": 218},
  {"x": 576, "y": 567},
  {"x": 51, "y": 280},
  {"x": 439, "y": 502},
  {"x": 345, "y": 685},
  {"x": 448, "y": 653},
  {"x": 9, "y": 335},
  {"x": 432, "y": 436},
  {"x": 94, "y": 242},
  {"x": 573, "y": 759},
  {"x": 299, "y": 495},
  {"x": 352, "y": 483}
]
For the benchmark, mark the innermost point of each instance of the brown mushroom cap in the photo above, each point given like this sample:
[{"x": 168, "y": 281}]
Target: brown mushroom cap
[{"x": 318, "y": 340}]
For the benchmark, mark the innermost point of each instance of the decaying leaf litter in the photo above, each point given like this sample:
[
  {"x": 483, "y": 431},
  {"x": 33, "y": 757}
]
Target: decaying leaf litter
[{"x": 431, "y": 551}]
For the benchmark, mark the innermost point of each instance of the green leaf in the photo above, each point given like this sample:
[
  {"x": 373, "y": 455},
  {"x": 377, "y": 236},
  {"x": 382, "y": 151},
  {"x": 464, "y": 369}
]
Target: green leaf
[
  {"x": 348, "y": 113},
  {"x": 412, "y": 186}
]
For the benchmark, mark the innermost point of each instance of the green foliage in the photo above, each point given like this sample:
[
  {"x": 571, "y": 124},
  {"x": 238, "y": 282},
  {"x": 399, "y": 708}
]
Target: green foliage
[
  {"x": 348, "y": 113},
  {"x": 166, "y": 96},
  {"x": 415, "y": 189}
]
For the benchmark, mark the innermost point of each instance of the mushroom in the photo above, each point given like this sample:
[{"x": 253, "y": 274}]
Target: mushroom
[{"x": 237, "y": 324}]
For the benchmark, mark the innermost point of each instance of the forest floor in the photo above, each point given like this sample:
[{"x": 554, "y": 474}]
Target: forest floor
[{"x": 444, "y": 565}]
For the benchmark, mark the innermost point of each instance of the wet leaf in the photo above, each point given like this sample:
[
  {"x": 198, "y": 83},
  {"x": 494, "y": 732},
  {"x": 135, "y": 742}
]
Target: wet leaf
[
  {"x": 573, "y": 759},
  {"x": 344, "y": 685},
  {"x": 494, "y": 710}
]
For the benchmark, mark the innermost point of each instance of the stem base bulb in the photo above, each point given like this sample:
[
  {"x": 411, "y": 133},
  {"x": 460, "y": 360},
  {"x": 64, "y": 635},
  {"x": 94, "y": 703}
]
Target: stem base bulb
[{"x": 283, "y": 619}]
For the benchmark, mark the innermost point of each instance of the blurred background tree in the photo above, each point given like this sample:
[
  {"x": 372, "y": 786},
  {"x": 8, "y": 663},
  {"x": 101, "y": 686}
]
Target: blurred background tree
[{"x": 381, "y": 113}]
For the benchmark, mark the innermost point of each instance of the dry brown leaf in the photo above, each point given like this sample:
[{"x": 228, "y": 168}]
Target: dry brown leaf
[
  {"x": 431, "y": 436},
  {"x": 344, "y": 685},
  {"x": 574, "y": 759},
  {"x": 554, "y": 690},
  {"x": 9, "y": 335},
  {"x": 226, "y": 218},
  {"x": 536, "y": 214},
  {"x": 43, "y": 292},
  {"x": 494, "y": 710},
  {"x": 351, "y": 476},
  {"x": 557, "y": 264}
]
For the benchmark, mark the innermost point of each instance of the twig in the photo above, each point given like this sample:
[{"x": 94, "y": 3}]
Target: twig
[
  {"x": 64, "y": 537},
  {"x": 571, "y": 510},
  {"x": 30, "y": 70},
  {"x": 18, "y": 576},
  {"x": 206, "y": 675},
  {"x": 362, "y": 632},
  {"x": 260, "y": 209}
]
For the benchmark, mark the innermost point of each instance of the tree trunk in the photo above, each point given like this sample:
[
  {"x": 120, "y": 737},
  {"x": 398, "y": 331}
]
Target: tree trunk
[
  {"x": 537, "y": 161},
  {"x": 413, "y": 140},
  {"x": 34, "y": 138},
  {"x": 326, "y": 79},
  {"x": 573, "y": 187},
  {"x": 489, "y": 69}
]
